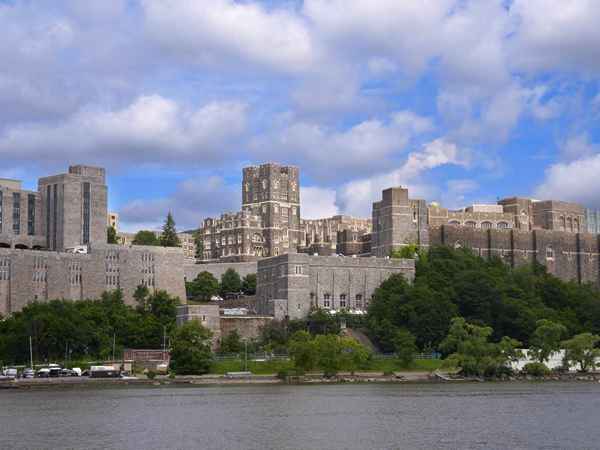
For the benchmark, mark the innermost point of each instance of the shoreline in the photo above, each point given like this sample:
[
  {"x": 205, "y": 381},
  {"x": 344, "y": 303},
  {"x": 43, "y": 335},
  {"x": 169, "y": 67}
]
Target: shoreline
[{"x": 310, "y": 379}]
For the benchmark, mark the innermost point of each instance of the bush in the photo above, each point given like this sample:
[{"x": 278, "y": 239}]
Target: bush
[
  {"x": 151, "y": 374},
  {"x": 536, "y": 369}
]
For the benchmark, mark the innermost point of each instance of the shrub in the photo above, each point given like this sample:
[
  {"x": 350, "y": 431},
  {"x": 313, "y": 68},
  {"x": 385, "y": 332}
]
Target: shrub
[
  {"x": 151, "y": 374},
  {"x": 536, "y": 369}
]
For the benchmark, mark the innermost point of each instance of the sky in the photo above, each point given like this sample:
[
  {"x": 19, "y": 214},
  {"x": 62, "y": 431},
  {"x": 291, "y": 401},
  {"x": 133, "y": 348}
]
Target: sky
[{"x": 461, "y": 101}]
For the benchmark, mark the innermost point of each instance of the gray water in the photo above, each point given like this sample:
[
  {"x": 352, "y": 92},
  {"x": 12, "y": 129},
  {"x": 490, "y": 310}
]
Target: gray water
[{"x": 426, "y": 416}]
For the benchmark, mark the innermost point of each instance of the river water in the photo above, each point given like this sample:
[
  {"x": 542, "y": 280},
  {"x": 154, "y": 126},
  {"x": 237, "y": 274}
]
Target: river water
[{"x": 377, "y": 416}]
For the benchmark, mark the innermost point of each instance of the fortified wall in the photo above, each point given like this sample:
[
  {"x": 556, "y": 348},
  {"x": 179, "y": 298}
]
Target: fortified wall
[{"x": 569, "y": 256}]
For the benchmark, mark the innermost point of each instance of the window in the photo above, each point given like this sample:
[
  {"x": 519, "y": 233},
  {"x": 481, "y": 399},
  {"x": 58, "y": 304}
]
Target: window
[
  {"x": 470, "y": 224},
  {"x": 569, "y": 224},
  {"x": 298, "y": 270},
  {"x": 1, "y": 199},
  {"x": 502, "y": 225},
  {"x": 359, "y": 299},
  {"x": 486, "y": 225},
  {"x": 342, "y": 300},
  {"x": 549, "y": 253},
  {"x": 454, "y": 223},
  {"x": 326, "y": 300},
  {"x": 563, "y": 223},
  {"x": 17, "y": 212},
  {"x": 87, "y": 188},
  {"x": 31, "y": 214}
]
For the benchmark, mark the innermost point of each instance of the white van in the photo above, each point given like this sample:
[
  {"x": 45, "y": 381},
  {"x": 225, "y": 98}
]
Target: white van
[{"x": 79, "y": 249}]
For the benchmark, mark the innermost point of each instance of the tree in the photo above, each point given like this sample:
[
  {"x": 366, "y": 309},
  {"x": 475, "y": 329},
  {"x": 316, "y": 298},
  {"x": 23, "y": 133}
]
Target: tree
[
  {"x": 303, "y": 351},
  {"x": 111, "y": 235},
  {"x": 203, "y": 287},
  {"x": 409, "y": 251},
  {"x": 405, "y": 347},
  {"x": 231, "y": 343},
  {"x": 328, "y": 353},
  {"x": 581, "y": 349},
  {"x": 191, "y": 349},
  {"x": 249, "y": 284},
  {"x": 169, "y": 237},
  {"x": 141, "y": 297},
  {"x": 353, "y": 355},
  {"x": 145, "y": 237},
  {"x": 199, "y": 242},
  {"x": 546, "y": 339},
  {"x": 230, "y": 282}
]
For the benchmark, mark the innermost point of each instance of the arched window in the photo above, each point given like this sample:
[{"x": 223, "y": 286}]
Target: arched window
[
  {"x": 563, "y": 223},
  {"x": 454, "y": 223},
  {"x": 569, "y": 224},
  {"x": 470, "y": 224},
  {"x": 486, "y": 225},
  {"x": 502, "y": 225},
  {"x": 549, "y": 253},
  {"x": 342, "y": 300},
  {"x": 326, "y": 300},
  {"x": 576, "y": 225}
]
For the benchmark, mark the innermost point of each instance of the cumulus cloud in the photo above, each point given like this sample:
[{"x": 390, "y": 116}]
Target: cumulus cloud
[
  {"x": 152, "y": 129},
  {"x": 318, "y": 202},
  {"x": 192, "y": 201},
  {"x": 356, "y": 197},
  {"x": 331, "y": 154},
  {"x": 211, "y": 32}
]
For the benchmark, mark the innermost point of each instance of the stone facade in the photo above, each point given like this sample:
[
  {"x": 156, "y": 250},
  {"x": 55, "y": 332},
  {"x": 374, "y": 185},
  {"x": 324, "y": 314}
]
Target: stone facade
[
  {"x": 233, "y": 237},
  {"x": 593, "y": 221},
  {"x": 323, "y": 233},
  {"x": 74, "y": 207},
  {"x": 20, "y": 217},
  {"x": 29, "y": 275},
  {"x": 291, "y": 285},
  {"x": 350, "y": 243},
  {"x": 476, "y": 216}
]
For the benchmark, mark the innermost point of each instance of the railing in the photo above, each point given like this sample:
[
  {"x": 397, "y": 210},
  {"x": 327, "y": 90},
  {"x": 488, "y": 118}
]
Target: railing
[
  {"x": 432, "y": 355},
  {"x": 260, "y": 356}
]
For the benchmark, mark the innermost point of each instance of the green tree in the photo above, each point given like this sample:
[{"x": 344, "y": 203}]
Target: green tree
[
  {"x": 111, "y": 235},
  {"x": 232, "y": 343},
  {"x": 249, "y": 284},
  {"x": 199, "y": 242},
  {"x": 145, "y": 237},
  {"x": 191, "y": 349},
  {"x": 353, "y": 355},
  {"x": 409, "y": 251},
  {"x": 163, "y": 307},
  {"x": 328, "y": 353},
  {"x": 141, "y": 295},
  {"x": 203, "y": 287},
  {"x": 581, "y": 349},
  {"x": 169, "y": 237},
  {"x": 230, "y": 282},
  {"x": 303, "y": 351},
  {"x": 405, "y": 347},
  {"x": 546, "y": 339}
]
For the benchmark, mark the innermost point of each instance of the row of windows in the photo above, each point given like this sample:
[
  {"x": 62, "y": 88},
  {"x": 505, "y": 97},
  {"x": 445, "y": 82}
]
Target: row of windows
[
  {"x": 112, "y": 280},
  {"x": 484, "y": 225},
  {"x": 75, "y": 279},
  {"x": 148, "y": 282},
  {"x": 40, "y": 276},
  {"x": 4, "y": 275},
  {"x": 147, "y": 257},
  {"x": 112, "y": 256},
  {"x": 343, "y": 301}
]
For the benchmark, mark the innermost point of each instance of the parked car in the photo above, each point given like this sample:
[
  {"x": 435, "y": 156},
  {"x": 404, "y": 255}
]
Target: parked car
[
  {"x": 10, "y": 372},
  {"x": 28, "y": 373},
  {"x": 44, "y": 372}
]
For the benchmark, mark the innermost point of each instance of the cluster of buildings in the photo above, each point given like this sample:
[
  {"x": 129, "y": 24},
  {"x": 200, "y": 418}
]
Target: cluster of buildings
[{"x": 334, "y": 263}]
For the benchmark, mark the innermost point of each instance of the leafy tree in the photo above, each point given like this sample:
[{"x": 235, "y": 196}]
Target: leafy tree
[
  {"x": 145, "y": 237},
  {"x": 163, "y": 307},
  {"x": 581, "y": 349},
  {"x": 328, "y": 353},
  {"x": 546, "y": 339},
  {"x": 191, "y": 349},
  {"x": 249, "y": 284},
  {"x": 111, "y": 235},
  {"x": 141, "y": 295},
  {"x": 303, "y": 351},
  {"x": 204, "y": 286},
  {"x": 169, "y": 237},
  {"x": 231, "y": 343},
  {"x": 199, "y": 241},
  {"x": 230, "y": 282},
  {"x": 409, "y": 251},
  {"x": 405, "y": 347},
  {"x": 353, "y": 355}
]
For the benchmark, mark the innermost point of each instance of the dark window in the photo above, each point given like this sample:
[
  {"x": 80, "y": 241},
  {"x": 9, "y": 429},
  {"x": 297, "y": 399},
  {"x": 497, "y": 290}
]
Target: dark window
[
  {"x": 86, "y": 212},
  {"x": 48, "y": 195},
  {"x": 31, "y": 214},
  {"x": 17, "y": 212},
  {"x": 54, "y": 216},
  {"x": 1, "y": 209}
]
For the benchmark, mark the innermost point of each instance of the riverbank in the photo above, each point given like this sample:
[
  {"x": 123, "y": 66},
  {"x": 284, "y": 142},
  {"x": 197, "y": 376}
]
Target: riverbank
[{"x": 407, "y": 377}]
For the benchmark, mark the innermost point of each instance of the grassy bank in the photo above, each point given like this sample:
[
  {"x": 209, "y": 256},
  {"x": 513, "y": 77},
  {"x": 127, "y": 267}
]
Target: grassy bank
[{"x": 271, "y": 367}]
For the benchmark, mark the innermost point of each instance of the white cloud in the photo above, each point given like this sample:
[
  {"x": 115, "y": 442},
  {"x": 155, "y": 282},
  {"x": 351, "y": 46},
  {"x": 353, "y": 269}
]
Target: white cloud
[
  {"x": 356, "y": 197},
  {"x": 578, "y": 147},
  {"x": 574, "y": 181},
  {"x": 331, "y": 154},
  {"x": 152, "y": 129},
  {"x": 212, "y": 32},
  {"x": 317, "y": 202}
]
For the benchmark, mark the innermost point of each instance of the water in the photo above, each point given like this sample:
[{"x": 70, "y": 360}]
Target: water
[{"x": 425, "y": 416}]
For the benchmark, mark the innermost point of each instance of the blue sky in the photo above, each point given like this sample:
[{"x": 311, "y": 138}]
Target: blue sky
[{"x": 462, "y": 101}]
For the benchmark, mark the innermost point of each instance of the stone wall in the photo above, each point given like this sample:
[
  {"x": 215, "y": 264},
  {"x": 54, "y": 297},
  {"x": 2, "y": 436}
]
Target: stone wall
[
  {"x": 569, "y": 256},
  {"x": 291, "y": 285},
  {"x": 248, "y": 327},
  {"x": 218, "y": 269}
]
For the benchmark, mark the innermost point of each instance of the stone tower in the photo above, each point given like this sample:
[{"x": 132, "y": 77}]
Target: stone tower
[
  {"x": 74, "y": 207},
  {"x": 272, "y": 192},
  {"x": 398, "y": 221}
]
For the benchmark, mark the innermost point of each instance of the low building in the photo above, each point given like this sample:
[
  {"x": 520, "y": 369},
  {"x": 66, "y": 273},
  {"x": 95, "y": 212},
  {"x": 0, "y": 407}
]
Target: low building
[{"x": 291, "y": 285}]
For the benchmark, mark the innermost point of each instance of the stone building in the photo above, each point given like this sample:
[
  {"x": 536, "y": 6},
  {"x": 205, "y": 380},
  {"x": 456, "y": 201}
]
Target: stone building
[
  {"x": 29, "y": 275},
  {"x": 20, "y": 217},
  {"x": 592, "y": 218},
  {"x": 291, "y": 285},
  {"x": 74, "y": 207},
  {"x": 351, "y": 243},
  {"x": 269, "y": 223},
  {"x": 112, "y": 220},
  {"x": 187, "y": 241},
  {"x": 475, "y": 216}
]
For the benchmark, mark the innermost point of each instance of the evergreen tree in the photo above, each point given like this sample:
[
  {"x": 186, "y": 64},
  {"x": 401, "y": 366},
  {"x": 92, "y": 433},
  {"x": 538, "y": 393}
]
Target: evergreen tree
[
  {"x": 169, "y": 237},
  {"x": 230, "y": 282},
  {"x": 111, "y": 235},
  {"x": 199, "y": 246},
  {"x": 249, "y": 284}
]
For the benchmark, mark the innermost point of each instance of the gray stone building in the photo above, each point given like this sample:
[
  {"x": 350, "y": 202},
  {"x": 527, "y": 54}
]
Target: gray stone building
[
  {"x": 29, "y": 275},
  {"x": 74, "y": 207},
  {"x": 593, "y": 221},
  {"x": 321, "y": 235},
  {"x": 292, "y": 285},
  {"x": 20, "y": 217},
  {"x": 233, "y": 237}
]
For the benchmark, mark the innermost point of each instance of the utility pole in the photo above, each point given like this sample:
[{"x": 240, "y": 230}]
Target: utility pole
[
  {"x": 30, "y": 353},
  {"x": 114, "y": 344}
]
